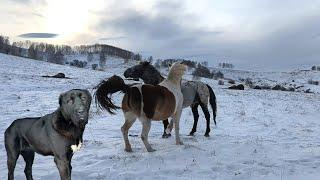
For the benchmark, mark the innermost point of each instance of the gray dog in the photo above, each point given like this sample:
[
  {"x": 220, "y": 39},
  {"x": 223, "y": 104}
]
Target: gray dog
[{"x": 58, "y": 134}]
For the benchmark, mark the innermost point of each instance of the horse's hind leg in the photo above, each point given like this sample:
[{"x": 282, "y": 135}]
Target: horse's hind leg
[
  {"x": 146, "y": 125},
  {"x": 130, "y": 118},
  {"x": 28, "y": 157},
  {"x": 165, "y": 125},
  {"x": 207, "y": 115},
  {"x": 195, "y": 113}
]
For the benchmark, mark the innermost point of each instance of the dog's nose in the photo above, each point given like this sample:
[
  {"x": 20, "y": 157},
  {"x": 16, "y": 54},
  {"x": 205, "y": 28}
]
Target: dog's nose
[{"x": 80, "y": 111}]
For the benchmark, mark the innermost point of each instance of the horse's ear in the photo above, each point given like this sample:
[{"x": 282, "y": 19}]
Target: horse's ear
[{"x": 145, "y": 63}]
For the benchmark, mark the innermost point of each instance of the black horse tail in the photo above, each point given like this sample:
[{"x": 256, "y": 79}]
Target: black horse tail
[
  {"x": 104, "y": 91},
  {"x": 213, "y": 103}
]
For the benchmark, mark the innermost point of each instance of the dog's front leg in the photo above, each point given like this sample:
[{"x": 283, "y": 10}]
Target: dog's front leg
[{"x": 64, "y": 167}]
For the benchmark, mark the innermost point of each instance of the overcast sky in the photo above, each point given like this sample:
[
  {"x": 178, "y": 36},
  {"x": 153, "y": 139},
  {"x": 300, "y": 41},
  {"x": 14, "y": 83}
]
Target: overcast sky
[{"x": 264, "y": 34}]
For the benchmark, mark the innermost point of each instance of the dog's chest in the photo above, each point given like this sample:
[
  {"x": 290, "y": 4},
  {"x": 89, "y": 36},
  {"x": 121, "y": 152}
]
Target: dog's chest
[{"x": 76, "y": 147}]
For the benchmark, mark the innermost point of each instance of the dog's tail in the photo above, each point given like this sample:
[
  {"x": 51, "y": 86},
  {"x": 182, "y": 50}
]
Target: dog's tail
[
  {"x": 213, "y": 103},
  {"x": 104, "y": 91}
]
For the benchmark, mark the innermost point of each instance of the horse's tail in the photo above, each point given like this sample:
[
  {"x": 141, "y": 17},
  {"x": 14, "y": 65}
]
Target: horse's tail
[
  {"x": 213, "y": 103},
  {"x": 104, "y": 91}
]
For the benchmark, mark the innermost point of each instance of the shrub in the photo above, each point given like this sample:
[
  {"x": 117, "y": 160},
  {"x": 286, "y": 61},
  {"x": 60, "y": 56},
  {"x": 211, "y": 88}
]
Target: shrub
[
  {"x": 248, "y": 82},
  {"x": 237, "y": 87},
  {"x": 265, "y": 87},
  {"x": 94, "y": 66},
  {"x": 202, "y": 71},
  {"x": 279, "y": 87},
  {"x": 77, "y": 63},
  {"x": 217, "y": 75},
  {"x": 220, "y": 82},
  {"x": 231, "y": 81},
  {"x": 313, "y": 82},
  {"x": 257, "y": 87}
]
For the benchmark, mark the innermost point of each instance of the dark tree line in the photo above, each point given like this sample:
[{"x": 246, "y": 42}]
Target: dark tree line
[
  {"x": 203, "y": 71},
  {"x": 226, "y": 65},
  {"x": 107, "y": 50},
  {"x": 168, "y": 62},
  {"x": 49, "y": 52},
  {"x": 55, "y": 53}
]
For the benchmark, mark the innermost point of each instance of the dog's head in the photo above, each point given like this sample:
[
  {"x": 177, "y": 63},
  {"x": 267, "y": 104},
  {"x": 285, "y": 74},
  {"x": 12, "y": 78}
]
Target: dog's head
[{"x": 75, "y": 105}]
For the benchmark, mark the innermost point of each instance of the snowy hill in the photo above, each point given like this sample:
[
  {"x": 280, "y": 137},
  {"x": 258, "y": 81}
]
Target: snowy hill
[{"x": 260, "y": 134}]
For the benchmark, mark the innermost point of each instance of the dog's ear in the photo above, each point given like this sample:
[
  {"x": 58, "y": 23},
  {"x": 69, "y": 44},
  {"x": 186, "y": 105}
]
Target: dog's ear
[
  {"x": 60, "y": 98},
  {"x": 88, "y": 94}
]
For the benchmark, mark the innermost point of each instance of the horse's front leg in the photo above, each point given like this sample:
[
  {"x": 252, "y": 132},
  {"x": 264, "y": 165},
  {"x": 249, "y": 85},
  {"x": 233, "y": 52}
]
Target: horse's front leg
[
  {"x": 176, "y": 119},
  {"x": 129, "y": 120},
  {"x": 146, "y": 125},
  {"x": 165, "y": 125}
]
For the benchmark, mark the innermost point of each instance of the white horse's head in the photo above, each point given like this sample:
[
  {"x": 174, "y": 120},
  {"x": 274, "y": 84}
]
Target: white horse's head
[{"x": 176, "y": 72}]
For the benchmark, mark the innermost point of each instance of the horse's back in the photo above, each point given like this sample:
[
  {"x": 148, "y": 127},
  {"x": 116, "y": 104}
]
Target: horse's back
[
  {"x": 158, "y": 102},
  {"x": 189, "y": 90}
]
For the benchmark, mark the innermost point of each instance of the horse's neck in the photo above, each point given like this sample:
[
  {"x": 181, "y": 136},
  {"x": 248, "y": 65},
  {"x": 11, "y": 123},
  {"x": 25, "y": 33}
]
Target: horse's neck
[
  {"x": 154, "y": 80},
  {"x": 175, "y": 89},
  {"x": 170, "y": 85},
  {"x": 174, "y": 80}
]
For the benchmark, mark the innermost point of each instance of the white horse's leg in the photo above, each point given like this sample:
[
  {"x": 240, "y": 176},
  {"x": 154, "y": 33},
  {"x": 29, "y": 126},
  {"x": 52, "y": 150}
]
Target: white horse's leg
[
  {"x": 176, "y": 119},
  {"x": 146, "y": 125},
  {"x": 130, "y": 118}
]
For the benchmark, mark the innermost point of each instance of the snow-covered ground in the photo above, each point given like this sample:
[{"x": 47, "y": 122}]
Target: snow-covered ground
[
  {"x": 295, "y": 78},
  {"x": 260, "y": 134}
]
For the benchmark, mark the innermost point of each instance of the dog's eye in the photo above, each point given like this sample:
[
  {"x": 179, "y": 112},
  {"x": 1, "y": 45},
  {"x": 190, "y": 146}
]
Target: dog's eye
[
  {"x": 70, "y": 101},
  {"x": 83, "y": 98}
]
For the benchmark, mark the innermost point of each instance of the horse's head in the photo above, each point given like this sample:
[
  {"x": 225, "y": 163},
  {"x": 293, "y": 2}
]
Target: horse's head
[
  {"x": 144, "y": 71},
  {"x": 176, "y": 71}
]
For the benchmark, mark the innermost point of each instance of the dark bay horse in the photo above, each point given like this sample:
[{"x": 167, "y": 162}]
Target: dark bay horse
[{"x": 195, "y": 93}]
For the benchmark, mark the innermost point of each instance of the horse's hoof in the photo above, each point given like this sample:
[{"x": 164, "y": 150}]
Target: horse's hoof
[
  {"x": 128, "y": 149},
  {"x": 166, "y": 136},
  {"x": 191, "y": 134},
  {"x": 207, "y": 135},
  {"x": 151, "y": 150},
  {"x": 179, "y": 143}
]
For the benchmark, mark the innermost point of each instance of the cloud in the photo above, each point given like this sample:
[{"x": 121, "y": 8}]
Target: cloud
[
  {"x": 22, "y": 1},
  {"x": 163, "y": 32},
  {"x": 37, "y": 14},
  {"x": 38, "y": 35},
  {"x": 264, "y": 34},
  {"x": 113, "y": 38},
  {"x": 170, "y": 30}
]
